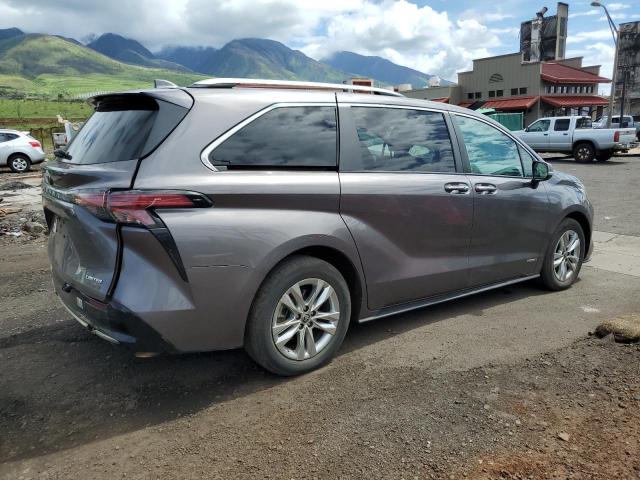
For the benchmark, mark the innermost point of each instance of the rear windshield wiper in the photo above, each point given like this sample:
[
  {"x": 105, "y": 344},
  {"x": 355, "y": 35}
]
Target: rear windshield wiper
[{"x": 60, "y": 153}]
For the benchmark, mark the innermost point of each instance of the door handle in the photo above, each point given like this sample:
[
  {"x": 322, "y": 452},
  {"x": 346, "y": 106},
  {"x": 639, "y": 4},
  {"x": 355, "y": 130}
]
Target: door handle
[
  {"x": 456, "y": 188},
  {"x": 485, "y": 188},
  {"x": 545, "y": 134}
]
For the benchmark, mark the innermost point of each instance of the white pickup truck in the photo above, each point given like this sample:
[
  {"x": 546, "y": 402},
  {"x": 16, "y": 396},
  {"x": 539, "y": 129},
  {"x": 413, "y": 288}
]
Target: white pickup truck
[{"x": 575, "y": 135}]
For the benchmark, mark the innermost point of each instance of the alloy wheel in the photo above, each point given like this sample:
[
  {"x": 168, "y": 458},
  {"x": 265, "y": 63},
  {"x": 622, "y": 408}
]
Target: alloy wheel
[
  {"x": 305, "y": 319},
  {"x": 19, "y": 164},
  {"x": 566, "y": 256},
  {"x": 582, "y": 153}
]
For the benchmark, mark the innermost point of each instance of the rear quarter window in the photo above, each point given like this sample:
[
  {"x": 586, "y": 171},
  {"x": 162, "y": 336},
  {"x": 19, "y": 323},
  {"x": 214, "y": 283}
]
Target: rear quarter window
[{"x": 285, "y": 137}]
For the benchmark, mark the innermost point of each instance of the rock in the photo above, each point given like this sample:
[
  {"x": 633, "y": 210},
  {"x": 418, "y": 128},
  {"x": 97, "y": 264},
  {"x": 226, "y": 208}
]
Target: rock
[
  {"x": 33, "y": 227},
  {"x": 564, "y": 436}
]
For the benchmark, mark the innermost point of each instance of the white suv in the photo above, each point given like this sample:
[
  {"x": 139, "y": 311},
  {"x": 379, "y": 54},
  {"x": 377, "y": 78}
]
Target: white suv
[{"x": 19, "y": 150}]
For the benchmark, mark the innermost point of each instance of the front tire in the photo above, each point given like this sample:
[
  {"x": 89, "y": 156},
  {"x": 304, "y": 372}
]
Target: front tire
[
  {"x": 19, "y": 163},
  {"x": 563, "y": 260},
  {"x": 299, "y": 317},
  {"x": 584, "y": 152}
]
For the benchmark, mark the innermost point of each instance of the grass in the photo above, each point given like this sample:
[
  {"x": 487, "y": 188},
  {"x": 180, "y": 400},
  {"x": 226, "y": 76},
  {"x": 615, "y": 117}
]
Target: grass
[
  {"x": 21, "y": 110},
  {"x": 53, "y": 67}
]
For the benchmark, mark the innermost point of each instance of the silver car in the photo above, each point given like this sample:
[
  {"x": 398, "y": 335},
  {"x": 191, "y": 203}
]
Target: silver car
[
  {"x": 272, "y": 216},
  {"x": 19, "y": 150}
]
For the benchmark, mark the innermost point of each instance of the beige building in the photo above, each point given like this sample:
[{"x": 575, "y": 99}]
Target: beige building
[{"x": 506, "y": 83}]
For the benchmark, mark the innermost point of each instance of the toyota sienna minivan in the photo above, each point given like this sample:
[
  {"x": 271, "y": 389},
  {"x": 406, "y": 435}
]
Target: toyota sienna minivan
[{"x": 270, "y": 215}]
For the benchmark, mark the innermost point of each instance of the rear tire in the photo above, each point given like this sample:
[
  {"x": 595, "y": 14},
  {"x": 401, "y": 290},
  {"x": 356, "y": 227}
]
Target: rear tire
[
  {"x": 19, "y": 163},
  {"x": 299, "y": 317},
  {"x": 584, "y": 152},
  {"x": 604, "y": 156},
  {"x": 563, "y": 259}
]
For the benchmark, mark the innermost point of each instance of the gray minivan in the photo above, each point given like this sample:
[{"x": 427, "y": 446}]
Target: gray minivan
[{"x": 270, "y": 215}]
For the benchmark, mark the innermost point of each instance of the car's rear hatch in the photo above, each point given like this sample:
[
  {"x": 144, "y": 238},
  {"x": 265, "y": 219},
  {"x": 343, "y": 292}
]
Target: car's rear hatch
[{"x": 85, "y": 241}]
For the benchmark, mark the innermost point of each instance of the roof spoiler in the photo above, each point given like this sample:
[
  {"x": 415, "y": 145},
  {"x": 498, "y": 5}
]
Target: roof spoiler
[
  {"x": 160, "y": 83},
  {"x": 285, "y": 84}
]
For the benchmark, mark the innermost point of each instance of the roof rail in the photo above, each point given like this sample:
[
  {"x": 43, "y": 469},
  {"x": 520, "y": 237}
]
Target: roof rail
[{"x": 286, "y": 84}]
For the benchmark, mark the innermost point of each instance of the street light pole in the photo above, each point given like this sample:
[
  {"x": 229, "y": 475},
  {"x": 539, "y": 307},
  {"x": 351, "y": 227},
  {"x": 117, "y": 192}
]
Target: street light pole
[{"x": 615, "y": 35}]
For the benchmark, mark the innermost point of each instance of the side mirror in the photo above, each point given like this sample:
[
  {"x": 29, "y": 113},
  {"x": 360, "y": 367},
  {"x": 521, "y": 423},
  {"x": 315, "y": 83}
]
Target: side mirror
[
  {"x": 526, "y": 129},
  {"x": 540, "y": 171}
]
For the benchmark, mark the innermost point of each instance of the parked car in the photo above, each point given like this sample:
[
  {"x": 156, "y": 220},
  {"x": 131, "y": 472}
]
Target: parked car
[
  {"x": 575, "y": 135},
  {"x": 629, "y": 122},
  {"x": 19, "y": 150},
  {"x": 215, "y": 217}
]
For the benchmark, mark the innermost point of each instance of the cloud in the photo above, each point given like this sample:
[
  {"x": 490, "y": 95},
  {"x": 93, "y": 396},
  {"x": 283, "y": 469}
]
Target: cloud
[
  {"x": 598, "y": 53},
  {"x": 420, "y": 37},
  {"x": 617, "y": 6},
  {"x": 417, "y": 36},
  {"x": 586, "y": 36},
  {"x": 587, "y": 13}
]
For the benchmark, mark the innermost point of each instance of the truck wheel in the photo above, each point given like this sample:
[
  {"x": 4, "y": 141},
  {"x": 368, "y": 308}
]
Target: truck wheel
[
  {"x": 584, "y": 152},
  {"x": 604, "y": 156}
]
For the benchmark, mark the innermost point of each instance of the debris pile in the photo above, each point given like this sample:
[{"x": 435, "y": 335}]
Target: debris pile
[{"x": 21, "y": 208}]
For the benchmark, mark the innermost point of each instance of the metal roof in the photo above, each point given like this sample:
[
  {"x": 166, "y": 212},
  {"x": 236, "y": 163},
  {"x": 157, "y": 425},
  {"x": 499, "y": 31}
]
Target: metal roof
[
  {"x": 518, "y": 103},
  {"x": 575, "y": 101},
  {"x": 559, "y": 73}
]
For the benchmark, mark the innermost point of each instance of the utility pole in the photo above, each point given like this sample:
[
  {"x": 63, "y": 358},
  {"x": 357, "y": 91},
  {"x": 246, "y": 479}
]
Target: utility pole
[
  {"x": 615, "y": 34},
  {"x": 622, "y": 96}
]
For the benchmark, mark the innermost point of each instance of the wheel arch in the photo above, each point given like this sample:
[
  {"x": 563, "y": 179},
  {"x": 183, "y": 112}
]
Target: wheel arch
[
  {"x": 589, "y": 142},
  {"x": 18, "y": 154},
  {"x": 582, "y": 219},
  {"x": 336, "y": 257}
]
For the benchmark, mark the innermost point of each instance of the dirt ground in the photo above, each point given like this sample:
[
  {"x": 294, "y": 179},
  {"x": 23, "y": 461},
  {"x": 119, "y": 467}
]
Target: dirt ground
[{"x": 506, "y": 384}]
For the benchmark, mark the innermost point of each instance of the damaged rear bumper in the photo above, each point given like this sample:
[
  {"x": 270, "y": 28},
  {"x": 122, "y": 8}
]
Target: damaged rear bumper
[{"x": 110, "y": 321}]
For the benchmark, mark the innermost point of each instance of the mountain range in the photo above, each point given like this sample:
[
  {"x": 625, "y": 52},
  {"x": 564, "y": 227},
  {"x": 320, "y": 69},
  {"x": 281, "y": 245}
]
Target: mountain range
[{"x": 49, "y": 63}]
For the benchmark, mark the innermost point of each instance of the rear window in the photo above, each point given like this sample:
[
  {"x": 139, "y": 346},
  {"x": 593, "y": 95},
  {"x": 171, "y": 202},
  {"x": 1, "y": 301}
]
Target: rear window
[
  {"x": 584, "y": 123},
  {"x": 285, "y": 137},
  {"x": 124, "y": 128},
  {"x": 562, "y": 125}
]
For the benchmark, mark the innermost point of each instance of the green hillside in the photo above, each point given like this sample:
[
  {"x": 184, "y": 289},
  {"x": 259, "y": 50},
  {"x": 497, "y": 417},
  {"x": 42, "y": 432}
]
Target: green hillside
[
  {"x": 52, "y": 66},
  {"x": 261, "y": 58}
]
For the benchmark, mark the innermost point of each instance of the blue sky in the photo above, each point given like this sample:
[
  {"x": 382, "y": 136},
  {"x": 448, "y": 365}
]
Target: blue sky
[{"x": 435, "y": 36}]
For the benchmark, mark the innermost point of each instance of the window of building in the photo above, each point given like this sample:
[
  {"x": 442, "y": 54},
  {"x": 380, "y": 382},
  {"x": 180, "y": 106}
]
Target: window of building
[
  {"x": 284, "y": 137},
  {"x": 499, "y": 93},
  {"x": 402, "y": 140},
  {"x": 490, "y": 151},
  {"x": 523, "y": 90},
  {"x": 514, "y": 91},
  {"x": 478, "y": 94},
  {"x": 561, "y": 125},
  {"x": 492, "y": 93},
  {"x": 470, "y": 95}
]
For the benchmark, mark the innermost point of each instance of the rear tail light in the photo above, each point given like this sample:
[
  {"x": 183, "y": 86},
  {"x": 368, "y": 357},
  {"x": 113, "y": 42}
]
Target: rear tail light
[
  {"x": 616, "y": 136},
  {"x": 136, "y": 207},
  {"x": 34, "y": 143}
]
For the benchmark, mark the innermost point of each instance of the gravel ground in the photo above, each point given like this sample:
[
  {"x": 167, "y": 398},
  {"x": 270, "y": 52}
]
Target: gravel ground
[{"x": 506, "y": 384}]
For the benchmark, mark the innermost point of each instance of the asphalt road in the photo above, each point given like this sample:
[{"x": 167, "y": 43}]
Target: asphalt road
[
  {"x": 481, "y": 387},
  {"x": 612, "y": 186}
]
